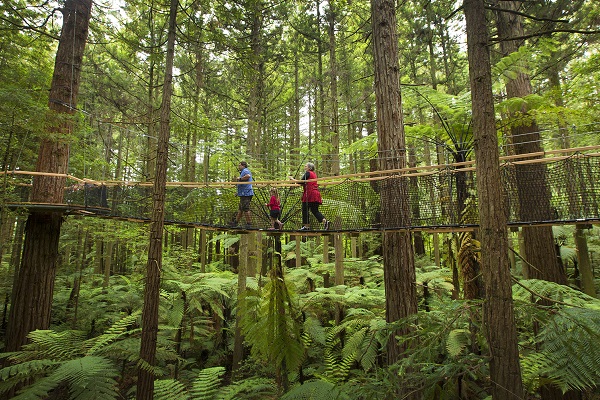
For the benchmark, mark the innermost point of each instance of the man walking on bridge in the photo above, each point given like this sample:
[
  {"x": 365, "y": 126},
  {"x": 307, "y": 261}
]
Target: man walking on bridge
[{"x": 245, "y": 193}]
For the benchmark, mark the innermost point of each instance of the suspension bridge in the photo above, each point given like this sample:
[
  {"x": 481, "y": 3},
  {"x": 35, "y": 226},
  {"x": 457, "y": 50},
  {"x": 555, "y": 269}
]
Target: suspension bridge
[{"x": 550, "y": 188}]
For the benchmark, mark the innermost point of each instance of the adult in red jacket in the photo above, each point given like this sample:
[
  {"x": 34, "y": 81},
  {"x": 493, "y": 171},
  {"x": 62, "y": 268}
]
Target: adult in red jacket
[{"x": 311, "y": 198}]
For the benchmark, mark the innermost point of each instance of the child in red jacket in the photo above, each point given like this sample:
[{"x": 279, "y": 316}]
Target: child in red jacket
[{"x": 275, "y": 209}]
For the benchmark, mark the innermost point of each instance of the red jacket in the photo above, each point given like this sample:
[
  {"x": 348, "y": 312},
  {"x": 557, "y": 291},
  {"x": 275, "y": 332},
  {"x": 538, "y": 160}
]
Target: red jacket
[
  {"x": 274, "y": 203},
  {"x": 311, "y": 189}
]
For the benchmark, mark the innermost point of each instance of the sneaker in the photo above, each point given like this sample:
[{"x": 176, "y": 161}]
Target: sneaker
[
  {"x": 305, "y": 228},
  {"x": 326, "y": 225}
]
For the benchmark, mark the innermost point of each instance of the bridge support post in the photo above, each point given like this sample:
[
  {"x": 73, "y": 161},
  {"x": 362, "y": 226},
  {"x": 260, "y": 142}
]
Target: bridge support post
[
  {"x": 202, "y": 250},
  {"x": 339, "y": 258}
]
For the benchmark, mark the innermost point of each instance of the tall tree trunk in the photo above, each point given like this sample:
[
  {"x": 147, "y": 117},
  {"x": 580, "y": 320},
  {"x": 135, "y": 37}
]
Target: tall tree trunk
[
  {"x": 257, "y": 65},
  {"x": 505, "y": 371},
  {"x": 320, "y": 95},
  {"x": 238, "y": 344},
  {"x": 398, "y": 257},
  {"x": 145, "y": 384},
  {"x": 334, "y": 126},
  {"x": 534, "y": 197},
  {"x": 584, "y": 264},
  {"x": 151, "y": 142},
  {"x": 32, "y": 293}
]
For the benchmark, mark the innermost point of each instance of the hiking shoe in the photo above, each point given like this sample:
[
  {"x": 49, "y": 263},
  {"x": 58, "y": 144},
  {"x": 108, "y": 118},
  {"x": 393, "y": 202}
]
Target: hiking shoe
[
  {"x": 305, "y": 228},
  {"x": 326, "y": 225}
]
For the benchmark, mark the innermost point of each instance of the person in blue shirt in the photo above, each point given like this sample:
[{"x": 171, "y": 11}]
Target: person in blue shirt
[{"x": 245, "y": 193}]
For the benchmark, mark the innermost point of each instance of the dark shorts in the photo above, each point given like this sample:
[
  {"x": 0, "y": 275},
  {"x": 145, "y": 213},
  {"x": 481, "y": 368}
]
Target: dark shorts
[
  {"x": 275, "y": 214},
  {"x": 245, "y": 203}
]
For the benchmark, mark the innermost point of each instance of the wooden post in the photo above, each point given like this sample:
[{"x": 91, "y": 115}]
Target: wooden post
[
  {"x": 238, "y": 344},
  {"x": 251, "y": 257},
  {"x": 202, "y": 250},
  {"x": 339, "y": 258},
  {"x": 298, "y": 239}
]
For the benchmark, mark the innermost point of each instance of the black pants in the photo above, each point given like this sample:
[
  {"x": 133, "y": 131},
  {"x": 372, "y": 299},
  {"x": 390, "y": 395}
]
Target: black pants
[{"x": 314, "y": 209}]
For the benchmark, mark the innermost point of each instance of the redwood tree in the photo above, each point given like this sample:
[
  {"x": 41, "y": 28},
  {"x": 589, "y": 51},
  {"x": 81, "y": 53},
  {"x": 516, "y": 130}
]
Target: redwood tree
[
  {"x": 34, "y": 286},
  {"x": 534, "y": 197},
  {"x": 498, "y": 313},
  {"x": 145, "y": 385},
  {"x": 398, "y": 256}
]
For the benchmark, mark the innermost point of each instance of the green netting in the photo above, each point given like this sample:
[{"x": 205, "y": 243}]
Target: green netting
[{"x": 558, "y": 192}]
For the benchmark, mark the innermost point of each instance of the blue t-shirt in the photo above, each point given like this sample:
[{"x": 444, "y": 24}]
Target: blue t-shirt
[{"x": 245, "y": 189}]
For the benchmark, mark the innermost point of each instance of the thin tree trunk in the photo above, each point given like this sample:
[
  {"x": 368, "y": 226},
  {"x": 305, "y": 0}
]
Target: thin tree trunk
[
  {"x": 145, "y": 384},
  {"x": 334, "y": 128},
  {"x": 505, "y": 371}
]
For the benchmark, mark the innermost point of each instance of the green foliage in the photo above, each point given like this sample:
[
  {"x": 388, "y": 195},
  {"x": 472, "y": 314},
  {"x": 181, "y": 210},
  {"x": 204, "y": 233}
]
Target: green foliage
[
  {"x": 458, "y": 340},
  {"x": 207, "y": 383},
  {"x": 270, "y": 325},
  {"x": 88, "y": 377},
  {"x": 254, "y": 388},
  {"x": 568, "y": 357},
  {"x": 54, "y": 359},
  {"x": 169, "y": 389},
  {"x": 315, "y": 390}
]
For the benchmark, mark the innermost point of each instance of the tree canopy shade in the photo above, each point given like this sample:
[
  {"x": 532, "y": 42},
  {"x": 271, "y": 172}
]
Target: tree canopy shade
[{"x": 151, "y": 119}]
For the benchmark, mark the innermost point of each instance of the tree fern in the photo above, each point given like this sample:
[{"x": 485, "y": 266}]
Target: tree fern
[
  {"x": 14, "y": 375},
  {"x": 251, "y": 388},
  {"x": 315, "y": 390},
  {"x": 89, "y": 377},
  {"x": 118, "y": 330},
  {"x": 57, "y": 359},
  {"x": 271, "y": 326},
  {"x": 570, "y": 355},
  {"x": 207, "y": 384},
  {"x": 561, "y": 293},
  {"x": 169, "y": 389}
]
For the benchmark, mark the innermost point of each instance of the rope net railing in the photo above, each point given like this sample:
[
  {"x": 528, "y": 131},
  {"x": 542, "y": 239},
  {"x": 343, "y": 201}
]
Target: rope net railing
[{"x": 536, "y": 191}]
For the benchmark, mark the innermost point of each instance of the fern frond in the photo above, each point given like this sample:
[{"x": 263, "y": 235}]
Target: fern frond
[
  {"x": 169, "y": 389},
  {"x": 251, "y": 388},
  {"x": 570, "y": 357},
  {"x": 555, "y": 291},
  {"x": 315, "y": 390},
  {"x": 118, "y": 330},
  {"x": 13, "y": 375},
  {"x": 207, "y": 383},
  {"x": 458, "y": 340},
  {"x": 88, "y": 377},
  {"x": 52, "y": 345},
  {"x": 315, "y": 331}
]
